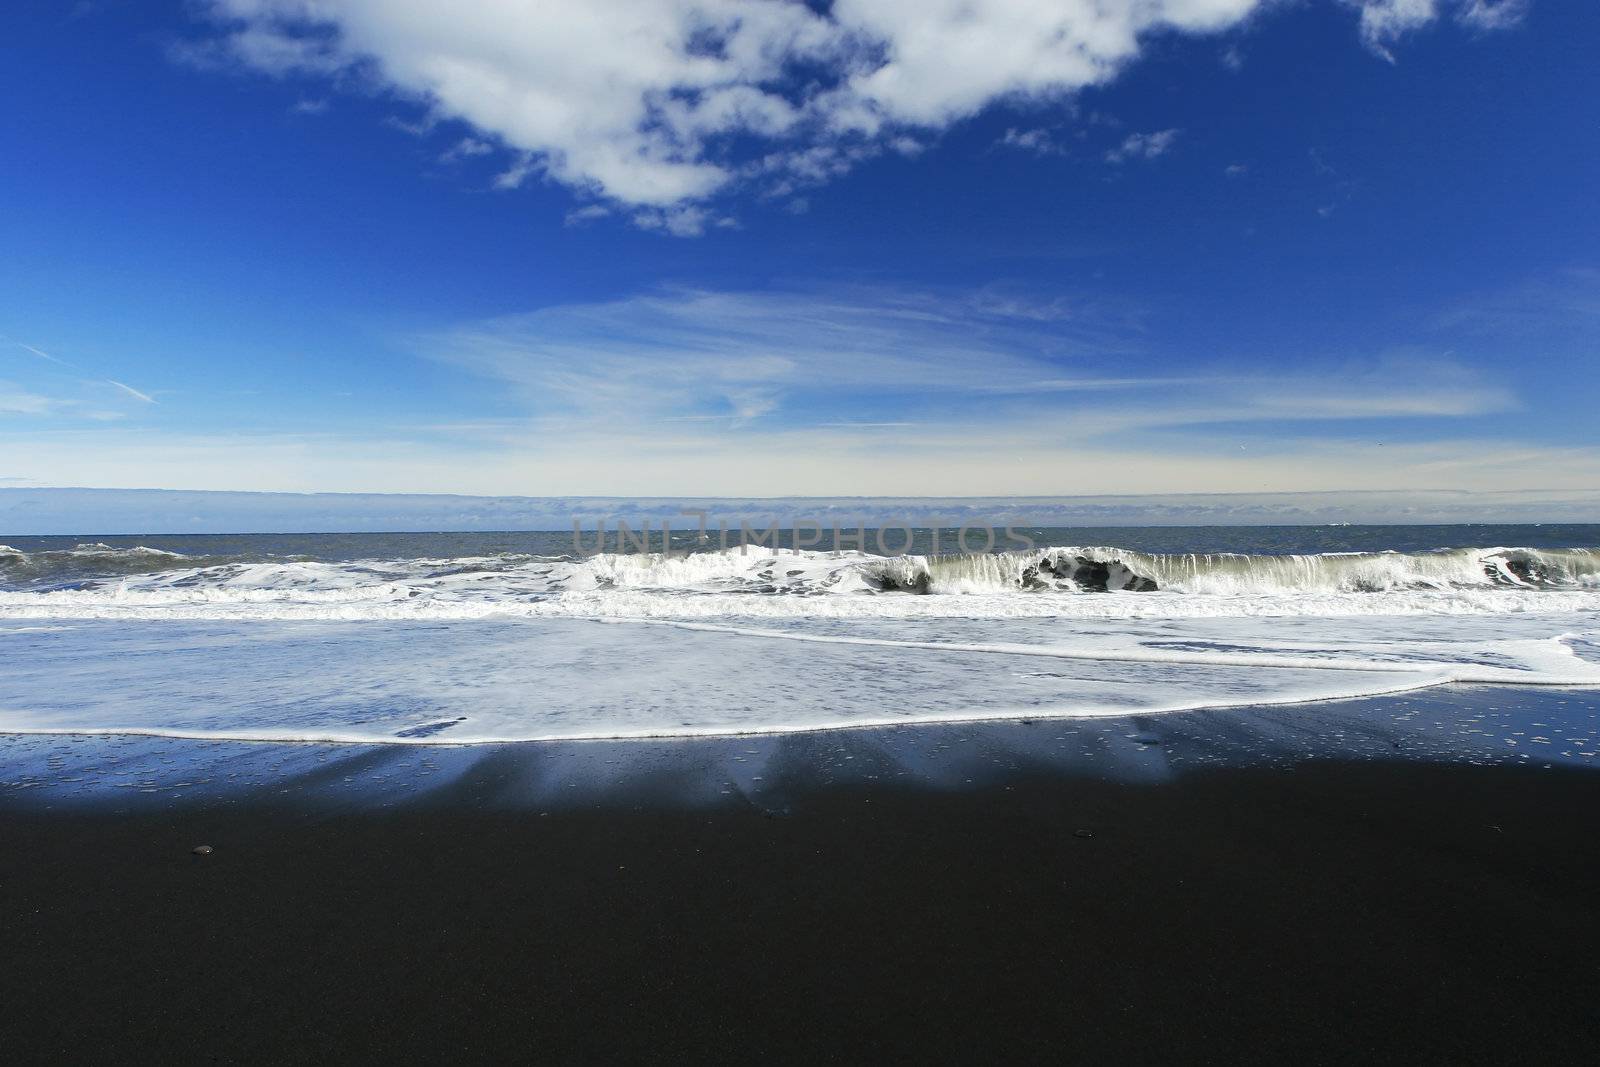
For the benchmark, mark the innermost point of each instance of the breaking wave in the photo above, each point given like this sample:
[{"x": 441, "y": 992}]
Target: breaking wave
[
  {"x": 89, "y": 560},
  {"x": 1115, "y": 569},
  {"x": 95, "y": 580}
]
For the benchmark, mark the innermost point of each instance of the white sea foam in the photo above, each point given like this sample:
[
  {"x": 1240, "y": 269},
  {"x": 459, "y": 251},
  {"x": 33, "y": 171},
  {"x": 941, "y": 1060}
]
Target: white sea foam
[
  {"x": 513, "y": 680},
  {"x": 507, "y": 647}
]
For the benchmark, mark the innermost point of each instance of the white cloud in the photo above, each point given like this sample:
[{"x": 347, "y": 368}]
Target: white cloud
[
  {"x": 657, "y": 103},
  {"x": 1039, "y": 141},
  {"x": 682, "y": 220},
  {"x": 517, "y": 173},
  {"x": 466, "y": 148},
  {"x": 1383, "y": 22},
  {"x": 15, "y": 400},
  {"x": 420, "y": 128},
  {"x": 1493, "y": 14},
  {"x": 588, "y": 213},
  {"x": 1143, "y": 146}
]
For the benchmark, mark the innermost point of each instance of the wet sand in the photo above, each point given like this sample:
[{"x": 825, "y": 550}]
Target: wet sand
[{"x": 1330, "y": 911}]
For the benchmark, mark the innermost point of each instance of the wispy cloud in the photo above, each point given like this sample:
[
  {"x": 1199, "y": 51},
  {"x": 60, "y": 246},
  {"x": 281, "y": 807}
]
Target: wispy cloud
[
  {"x": 466, "y": 148},
  {"x": 1493, "y": 14},
  {"x": 1565, "y": 303},
  {"x": 34, "y": 403},
  {"x": 1038, "y": 141},
  {"x": 992, "y": 366},
  {"x": 744, "y": 355},
  {"x": 1143, "y": 146},
  {"x": 684, "y": 220},
  {"x": 587, "y": 214},
  {"x": 42, "y": 354},
  {"x": 131, "y": 391},
  {"x": 15, "y": 400},
  {"x": 1384, "y": 22}
]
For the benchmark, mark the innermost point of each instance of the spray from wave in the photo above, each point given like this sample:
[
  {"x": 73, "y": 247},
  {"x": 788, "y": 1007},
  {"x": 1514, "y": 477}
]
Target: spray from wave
[
  {"x": 1115, "y": 569},
  {"x": 93, "y": 580}
]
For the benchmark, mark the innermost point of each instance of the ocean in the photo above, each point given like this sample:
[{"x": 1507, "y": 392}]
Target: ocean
[{"x": 469, "y": 638}]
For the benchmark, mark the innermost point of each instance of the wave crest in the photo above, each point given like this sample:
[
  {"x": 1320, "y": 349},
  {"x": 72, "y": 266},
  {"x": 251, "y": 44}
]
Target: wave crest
[
  {"x": 92, "y": 577},
  {"x": 1102, "y": 569}
]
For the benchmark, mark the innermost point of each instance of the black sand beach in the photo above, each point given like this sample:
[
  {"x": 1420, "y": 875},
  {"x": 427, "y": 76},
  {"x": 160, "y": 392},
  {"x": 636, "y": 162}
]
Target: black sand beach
[{"x": 1329, "y": 912}]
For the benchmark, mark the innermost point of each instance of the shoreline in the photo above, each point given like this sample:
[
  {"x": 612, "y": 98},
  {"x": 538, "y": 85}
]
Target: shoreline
[
  {"x": 1454, "y": 724},
  {"x": 1344, "y": 882}
]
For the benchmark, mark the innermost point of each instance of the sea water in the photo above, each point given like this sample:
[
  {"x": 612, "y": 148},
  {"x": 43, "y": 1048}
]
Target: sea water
[{"x": 422, "y": 639}]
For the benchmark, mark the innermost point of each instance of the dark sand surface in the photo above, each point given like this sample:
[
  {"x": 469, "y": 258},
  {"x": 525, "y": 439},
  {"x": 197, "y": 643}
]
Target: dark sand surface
[{"x": 1329, "y": 912}]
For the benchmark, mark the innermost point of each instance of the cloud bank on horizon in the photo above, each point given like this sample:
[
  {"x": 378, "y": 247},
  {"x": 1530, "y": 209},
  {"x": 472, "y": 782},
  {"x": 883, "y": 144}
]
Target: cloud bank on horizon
[
  {"x": 91, "y": 512},
  {"x": 660, "y": 109}
]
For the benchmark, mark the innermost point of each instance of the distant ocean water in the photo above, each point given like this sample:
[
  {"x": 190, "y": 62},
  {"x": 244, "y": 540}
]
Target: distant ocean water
[{"x": 463, "y": 637}]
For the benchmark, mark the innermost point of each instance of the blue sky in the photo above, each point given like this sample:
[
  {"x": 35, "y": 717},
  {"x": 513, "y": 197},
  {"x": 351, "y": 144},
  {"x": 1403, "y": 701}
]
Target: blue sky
[{"x": 691, "y": 247}]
